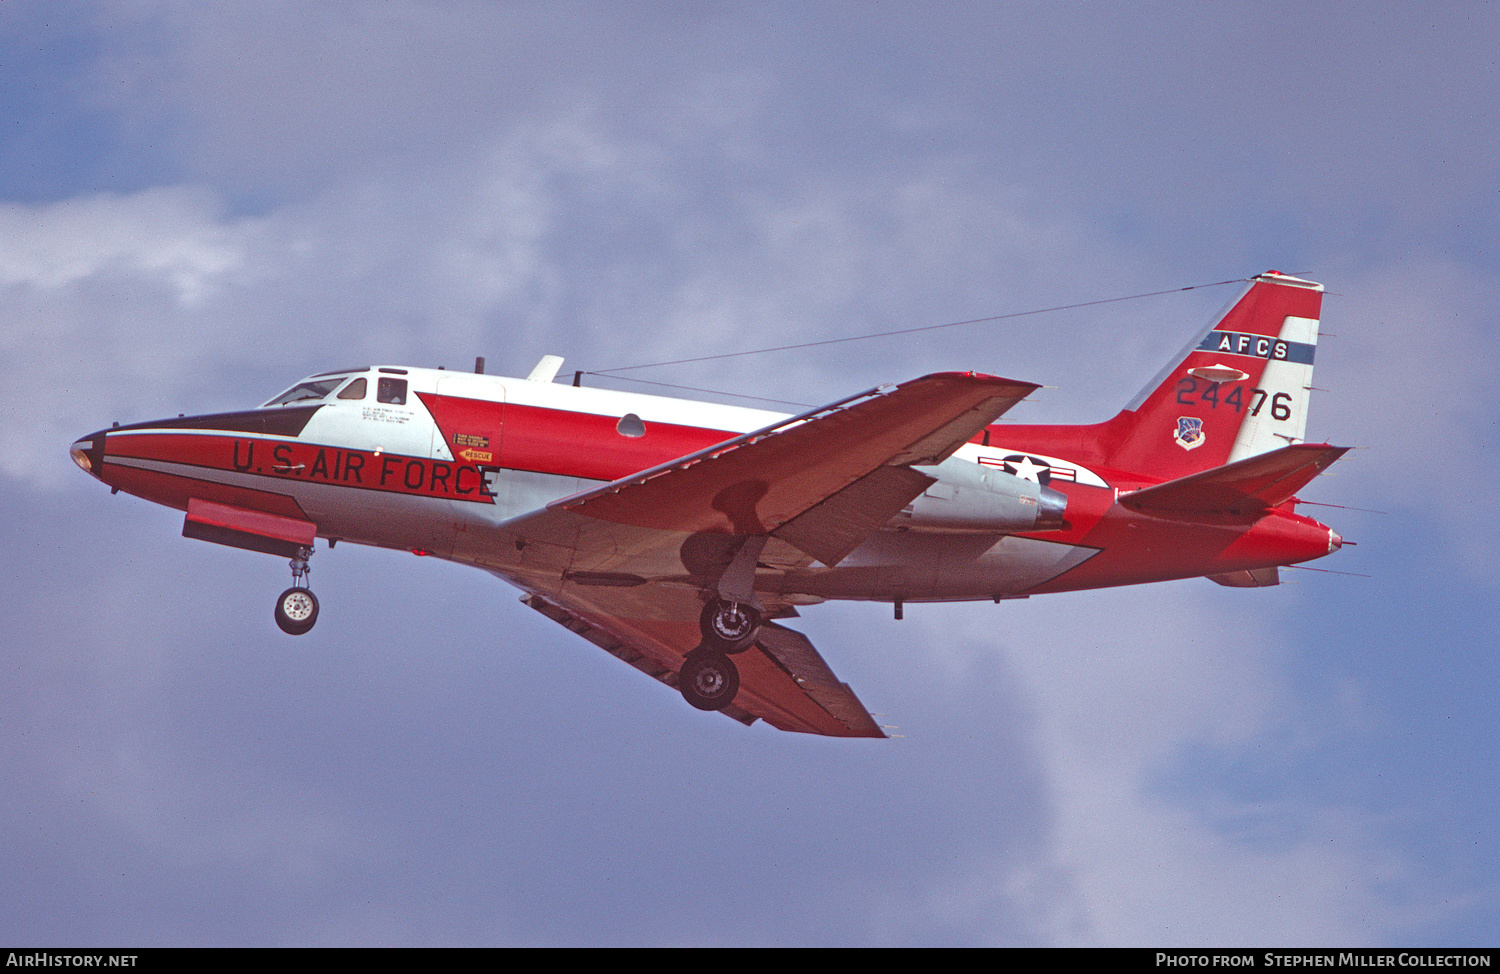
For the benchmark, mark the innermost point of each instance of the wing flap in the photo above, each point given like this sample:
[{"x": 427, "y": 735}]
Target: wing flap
[
  {"x": 1245, "y": 487},
  {"x": 832, "y": 528},
  {"x": 805, "y": 665}
]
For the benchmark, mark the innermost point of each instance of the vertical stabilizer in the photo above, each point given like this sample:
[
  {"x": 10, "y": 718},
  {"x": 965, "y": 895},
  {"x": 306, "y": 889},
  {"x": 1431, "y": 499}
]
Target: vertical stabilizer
[{"x": 1238, "y": 390}]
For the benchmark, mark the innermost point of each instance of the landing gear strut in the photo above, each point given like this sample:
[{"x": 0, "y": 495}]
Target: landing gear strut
[
  {"x": 729, "y": 627},
  {"x": 708, "y": 679},
  {"x": 297, "y": 607}
]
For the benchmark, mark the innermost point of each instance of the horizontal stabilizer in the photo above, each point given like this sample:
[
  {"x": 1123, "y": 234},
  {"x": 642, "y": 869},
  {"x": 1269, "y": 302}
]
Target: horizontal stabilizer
[
  {"x": 1249, "y": 578},
  {"x": 1246, "y": 487}
]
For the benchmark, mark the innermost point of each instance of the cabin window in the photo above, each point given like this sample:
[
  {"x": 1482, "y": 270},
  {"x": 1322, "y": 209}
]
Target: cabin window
[
  {"x": 392, "y": 392},
  {"x": 354, "y": 390},
  {"x": 630, "y": 425}
]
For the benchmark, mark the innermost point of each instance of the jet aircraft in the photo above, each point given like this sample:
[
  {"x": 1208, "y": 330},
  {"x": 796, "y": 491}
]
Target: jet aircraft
[{"x": 679, "y": 536}]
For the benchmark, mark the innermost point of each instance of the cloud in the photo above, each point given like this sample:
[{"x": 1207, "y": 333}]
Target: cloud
[
  {"x": 1404, "y": 376},
  {"x": 102, "y": 299},
  {"x": 1142, "y": 843},
  {"x": 169, "y": 236}
]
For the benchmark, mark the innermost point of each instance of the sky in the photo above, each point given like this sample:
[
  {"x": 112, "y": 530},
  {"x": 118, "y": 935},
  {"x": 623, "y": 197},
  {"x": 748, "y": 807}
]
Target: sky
[{"x": 202, "y": 203}]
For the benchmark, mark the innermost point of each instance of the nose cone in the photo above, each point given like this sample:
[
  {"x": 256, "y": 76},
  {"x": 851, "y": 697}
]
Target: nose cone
[
  {"x": 88, "y": 453},
  {"x": 1335, "y": 541}
]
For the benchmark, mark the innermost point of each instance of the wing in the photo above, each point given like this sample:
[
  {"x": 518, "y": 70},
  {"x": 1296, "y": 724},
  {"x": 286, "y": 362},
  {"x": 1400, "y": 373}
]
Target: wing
[
  {"x": 630, "y": 564},
  {"x": 756, "y": 483}
]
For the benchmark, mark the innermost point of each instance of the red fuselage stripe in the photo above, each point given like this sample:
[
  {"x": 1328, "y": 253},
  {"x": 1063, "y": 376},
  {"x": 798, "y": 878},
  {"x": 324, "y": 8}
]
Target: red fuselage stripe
[{"x": 533, "y": 439}]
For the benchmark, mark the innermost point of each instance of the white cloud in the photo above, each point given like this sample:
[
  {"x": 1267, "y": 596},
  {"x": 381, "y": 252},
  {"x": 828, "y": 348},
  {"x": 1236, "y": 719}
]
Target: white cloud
[
  {"x": 1149, "y": 871},
  {"x": 103, "y": 301},
  {"x": 1407, "y": 374},
  {"x": 171, "y": 237},
  {"x": 1125, "y": 686}
]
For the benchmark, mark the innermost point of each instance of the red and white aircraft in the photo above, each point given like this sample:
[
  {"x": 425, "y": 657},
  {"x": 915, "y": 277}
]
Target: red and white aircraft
[{"x": 675, "y": 534}]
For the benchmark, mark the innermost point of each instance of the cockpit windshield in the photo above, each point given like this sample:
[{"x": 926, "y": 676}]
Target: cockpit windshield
[{"x": 309, "y": 390}]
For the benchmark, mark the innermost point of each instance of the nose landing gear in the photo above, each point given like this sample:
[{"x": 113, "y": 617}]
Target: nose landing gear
[{"x": 297, "y": 607}]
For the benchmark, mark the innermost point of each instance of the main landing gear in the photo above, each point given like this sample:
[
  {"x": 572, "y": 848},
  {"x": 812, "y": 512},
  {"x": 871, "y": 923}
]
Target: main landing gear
[
  {"x": 708, "y": 678},
  {"x": 297, "y": 607},
  {"x": 729, "y": 627}
]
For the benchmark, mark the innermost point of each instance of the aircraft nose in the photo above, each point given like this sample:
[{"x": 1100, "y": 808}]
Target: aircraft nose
[
  {"x": 1335, "y": 541},
  {"x": 88, "y": 452}
]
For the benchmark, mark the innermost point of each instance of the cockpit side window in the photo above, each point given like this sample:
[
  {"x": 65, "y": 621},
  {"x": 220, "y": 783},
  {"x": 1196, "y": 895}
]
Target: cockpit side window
[
  {"x": 354, "y": 390},
  {"x": 391, "y": 391},
  {"x": 305, "y": 391}
]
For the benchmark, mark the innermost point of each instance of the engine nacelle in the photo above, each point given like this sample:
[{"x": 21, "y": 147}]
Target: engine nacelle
[{"x": 972, "y": 497}]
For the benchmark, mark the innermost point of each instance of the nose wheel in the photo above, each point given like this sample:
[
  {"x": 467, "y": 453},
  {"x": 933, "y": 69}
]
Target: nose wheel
[
  {"x": 297, "y": 607},
  {"x": 296, "y": 611}
]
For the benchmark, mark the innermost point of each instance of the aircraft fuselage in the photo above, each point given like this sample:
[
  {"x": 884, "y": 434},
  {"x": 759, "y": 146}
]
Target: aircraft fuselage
[{"x": 441, "y": 471}]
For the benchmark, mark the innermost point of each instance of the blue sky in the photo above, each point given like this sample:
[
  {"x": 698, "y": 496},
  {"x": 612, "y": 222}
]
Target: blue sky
[{"x": 201, "y": 203}]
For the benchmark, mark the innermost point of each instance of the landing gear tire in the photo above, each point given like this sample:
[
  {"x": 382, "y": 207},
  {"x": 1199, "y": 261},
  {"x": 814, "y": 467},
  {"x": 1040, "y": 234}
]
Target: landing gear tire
[
  {"x": 296, "y": 611},
  {"x": 708, "y": 679},
  {"x": 729, "y": 627}
]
